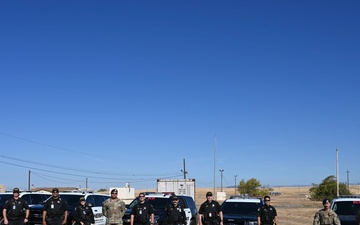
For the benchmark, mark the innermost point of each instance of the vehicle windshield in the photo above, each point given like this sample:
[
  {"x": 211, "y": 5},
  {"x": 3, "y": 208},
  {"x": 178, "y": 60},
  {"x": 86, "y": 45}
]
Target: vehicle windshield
[
  {"x": 240, "y": 207},
  {"x": 346, "y": 207},
  {"x": 158, "y": 203},
  {"x": 71, "y": 200}
]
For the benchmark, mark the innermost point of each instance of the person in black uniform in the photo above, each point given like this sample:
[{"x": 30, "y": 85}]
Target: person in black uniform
[
  {"x": 84, "y": 214},
  {"x": 13, "y": 210},
  {"x": 142, "y": 213},
  {"x": 55, "y": 210},
  {"x": 267, "y": 213},
  {"x": 210, "y": 212},
  {"x": 174, "y": 213}
]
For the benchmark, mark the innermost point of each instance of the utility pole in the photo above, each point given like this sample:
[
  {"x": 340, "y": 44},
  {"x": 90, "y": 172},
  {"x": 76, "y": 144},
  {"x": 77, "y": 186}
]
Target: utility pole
[
  {"x": 214, "y": 164},
  {"x": 86, "y": 184},
  {"x": 235, "y": 183},
  {"x": 184, "y": 171},
  {"x": 337, "y": 172},
  {"x": 29, "y": 181},
  {"x": 348, "y": 182},
  {"x": 221, "y": 171}
]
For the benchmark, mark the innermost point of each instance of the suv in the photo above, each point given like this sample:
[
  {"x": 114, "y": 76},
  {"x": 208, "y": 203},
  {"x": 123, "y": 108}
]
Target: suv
[
  {"x": 32, "y": 199},
  {"x": 160, "y": 202},
  {"x": 346, "y": 207},
  {"x": 72, "y": 201},
  {"x": 240, "y": 211}
]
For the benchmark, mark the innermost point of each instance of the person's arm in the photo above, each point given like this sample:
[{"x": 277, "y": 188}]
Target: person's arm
[
  {"x": 316, "y": 219},
  {"x": 259, "y": 216},
  {"x": 221, "y": 217},
  {"x": 104, "y": 211},
  {"x": 131, "y": 219},
  {"x": 200, "y": 219},
  {"x": 152, "y": 218},
  {"x": 65, "y": 217},
  {"x": 92, "y": 219},
  {"x": 44, "y": 217},
  {"x": 5, "y": 216},
  {"x": 27, "y": 212}
]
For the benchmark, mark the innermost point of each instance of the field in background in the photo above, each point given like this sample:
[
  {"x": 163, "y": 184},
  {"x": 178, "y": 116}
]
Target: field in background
[{"x": 293, "y": 205}]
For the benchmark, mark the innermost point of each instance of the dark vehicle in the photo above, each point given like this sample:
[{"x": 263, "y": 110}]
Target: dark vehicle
[
  {"x": 240, "y": 211},
  {"x": 32, "y": 198},
  {"x": 160, "y": 202},
  {"x": 72, "y": 200},
  {"x": 3, "y": 198},
  {"x": 346, "y": 207}
]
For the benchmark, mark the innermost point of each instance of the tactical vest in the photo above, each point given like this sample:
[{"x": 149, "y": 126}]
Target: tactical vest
[
  {"x": 15, "y": 209},
  {"x": 210, "y": 211},
  {"x": 142, "y": 213},
  {"x": 55, "y": 208},
  {"x": 326, "y": 217},
  {"x": 267, "y": 214},
  {"x": 175, "y": 214}
]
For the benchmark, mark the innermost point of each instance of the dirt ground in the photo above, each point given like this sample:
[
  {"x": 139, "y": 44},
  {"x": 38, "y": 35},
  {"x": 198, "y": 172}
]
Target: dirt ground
[{"x": 293, "y": 205}]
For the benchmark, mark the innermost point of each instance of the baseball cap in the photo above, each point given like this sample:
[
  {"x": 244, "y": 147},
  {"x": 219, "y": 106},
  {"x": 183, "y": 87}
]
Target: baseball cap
[
  {"x": 55, "y": 190},
  {"x": 16, "y": 190},
  {"x": 114, "y": 191},
  {"x": 175, "y": 197},
  {"x": 208, "y": 194},
  {"x": 326, "y": 200},
  {"x": 82, "y": 199}
]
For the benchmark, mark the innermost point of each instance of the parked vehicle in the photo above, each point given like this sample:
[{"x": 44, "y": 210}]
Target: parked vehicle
[
  {"x": 346, "y": 207},
  {"x": 240, "y": 211}
]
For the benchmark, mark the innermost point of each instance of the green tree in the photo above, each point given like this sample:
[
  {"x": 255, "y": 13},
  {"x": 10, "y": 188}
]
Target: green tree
[
  {"x": 327, "y": 189},
  {"x": 252, "y": 188},
  {"x": 102, "y": 190}
]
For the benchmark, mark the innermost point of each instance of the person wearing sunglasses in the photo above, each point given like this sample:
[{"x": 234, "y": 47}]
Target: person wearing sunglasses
[
  {"x": 142, "y": 213},
  {"x": 13, "y": 210},
  {"x": 267, "y": 213},
  {"x": 83, "y": 214},
  {"x": 55, "y": 210},
  {"x": 113, "y": 209},
  {"x": 175, "y": 213}
]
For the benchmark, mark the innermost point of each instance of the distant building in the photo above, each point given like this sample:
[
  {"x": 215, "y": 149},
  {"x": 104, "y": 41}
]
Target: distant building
[{"x": 2, "y": 188}]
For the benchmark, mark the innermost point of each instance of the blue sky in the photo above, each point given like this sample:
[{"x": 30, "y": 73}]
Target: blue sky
[{"x": 123, "y": 91}]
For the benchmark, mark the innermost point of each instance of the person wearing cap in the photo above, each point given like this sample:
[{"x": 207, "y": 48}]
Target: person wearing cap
[
  {"x": 55, "y": 210},
  {"x": 13, "y": 210},
  {"x": 175, "y": 213},
  {"x": 142, "y": 213},
  {"x": 326, "y": 215},
  {"x": 83, "y": 213},
  {"x": 267, "y": 214},
  {"x": 113, "y": 209},
  {"x": 210, "y": 212}
]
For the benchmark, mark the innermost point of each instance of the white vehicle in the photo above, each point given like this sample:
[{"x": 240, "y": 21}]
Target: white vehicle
[{"x": 346, "y": 207}]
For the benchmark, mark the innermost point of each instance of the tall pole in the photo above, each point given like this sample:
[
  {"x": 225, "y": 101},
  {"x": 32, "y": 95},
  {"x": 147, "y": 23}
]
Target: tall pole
[
  {"x": 348, "y": 182},
  {"x": 337, "y": 172},
  {"x": 235, "y": 183},
  {"x": 86, "y": 183},
  {"x": 29, "y": 181},
  {"x": 221, "y": 171},
  {"x": 184, "y": 171},
  {"x": 214, "y": 164}
]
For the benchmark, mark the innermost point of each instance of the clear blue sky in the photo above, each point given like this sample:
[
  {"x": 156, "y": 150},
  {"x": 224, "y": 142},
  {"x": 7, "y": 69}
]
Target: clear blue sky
[{"x": 123, "y": 91}]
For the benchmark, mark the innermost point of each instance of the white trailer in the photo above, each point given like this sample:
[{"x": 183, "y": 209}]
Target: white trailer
[{"x": 177, "y": 186}]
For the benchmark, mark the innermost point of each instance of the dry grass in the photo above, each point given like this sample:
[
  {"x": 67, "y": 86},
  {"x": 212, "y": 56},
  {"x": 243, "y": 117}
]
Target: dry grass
[{"x": 292, "y": 205}]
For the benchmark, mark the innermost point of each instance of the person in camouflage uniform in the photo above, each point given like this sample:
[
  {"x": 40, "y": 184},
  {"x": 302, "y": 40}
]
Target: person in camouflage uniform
[
  {"x": 326, "y": 216},
  {"x": 113, "y": 209}
]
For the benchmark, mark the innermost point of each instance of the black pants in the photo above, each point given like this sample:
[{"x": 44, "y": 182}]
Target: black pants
[
  {"x": 19, "y": 221},
  {"x": 54, "y": 221},
  {"x": 142, "y": 223},
  {"x": 211, "y": 222}
]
